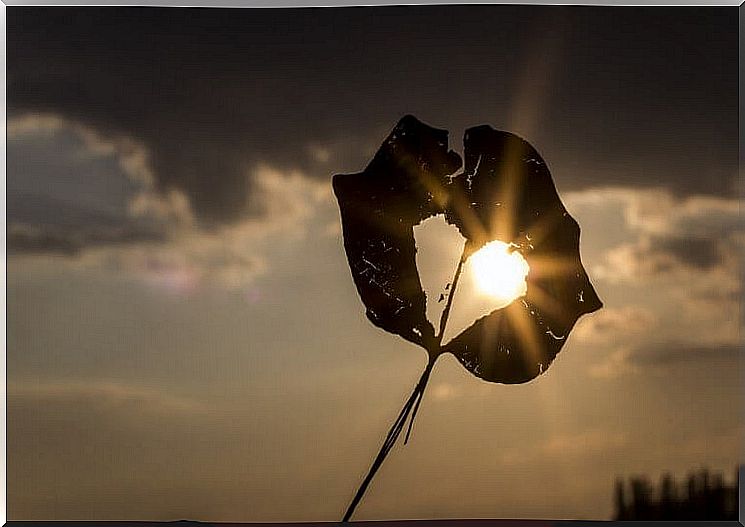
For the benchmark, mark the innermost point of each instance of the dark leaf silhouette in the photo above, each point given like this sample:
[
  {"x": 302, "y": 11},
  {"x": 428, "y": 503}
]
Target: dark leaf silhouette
[
  {"x": 504, "y": 193},
  {"x": 402, "y": 186}
]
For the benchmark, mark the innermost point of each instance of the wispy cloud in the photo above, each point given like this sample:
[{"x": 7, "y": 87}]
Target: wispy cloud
[
  {"x": 612, "y": 324},
  {"x": 568, "y": 446},
  {"x": 108, "y": 395}
]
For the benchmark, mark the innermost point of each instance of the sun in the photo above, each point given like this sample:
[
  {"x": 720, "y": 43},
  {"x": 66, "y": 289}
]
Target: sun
[{"x": 500, "y": 272}]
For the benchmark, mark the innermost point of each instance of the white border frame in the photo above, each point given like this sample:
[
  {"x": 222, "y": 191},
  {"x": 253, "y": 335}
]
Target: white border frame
[{"x": 217, "y": 4}]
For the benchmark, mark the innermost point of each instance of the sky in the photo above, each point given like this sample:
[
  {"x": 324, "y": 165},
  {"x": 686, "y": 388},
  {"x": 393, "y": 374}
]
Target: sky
[{"x": 184, "y": 336}]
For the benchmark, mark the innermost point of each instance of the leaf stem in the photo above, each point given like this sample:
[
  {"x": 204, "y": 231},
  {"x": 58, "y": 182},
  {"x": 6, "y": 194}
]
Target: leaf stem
[
  {"x": 414, "y": 400},
  {"x": 446, "y": 312},
  {"x": 441, "y": 333},
  {"x": 390, "y": 439}
]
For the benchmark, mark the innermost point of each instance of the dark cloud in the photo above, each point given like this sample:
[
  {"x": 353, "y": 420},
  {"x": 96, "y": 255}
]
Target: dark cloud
[
  {"x": 657, "y": 255},
  {"x": 701, "y": 253},
  {"x": 660, "y": 356},
  {"x": 654, "y": 256},
  {"x": 68, "y": 195},
  {"x": 23, "y": 239},
  {"x": 631, "y": 96},
  {"x": 698, "y": 236},
  {"x": 680, "y": 353},
  {"x": 38, "y": 224},
  {"x": 31, "y": 239}
]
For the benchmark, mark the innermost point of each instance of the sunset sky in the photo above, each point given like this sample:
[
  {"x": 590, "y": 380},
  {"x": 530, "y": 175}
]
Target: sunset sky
[{"x": 184, "y": 336}]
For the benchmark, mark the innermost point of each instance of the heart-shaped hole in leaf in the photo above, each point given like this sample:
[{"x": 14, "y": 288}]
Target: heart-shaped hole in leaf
[{"x": 492, "y": 277}]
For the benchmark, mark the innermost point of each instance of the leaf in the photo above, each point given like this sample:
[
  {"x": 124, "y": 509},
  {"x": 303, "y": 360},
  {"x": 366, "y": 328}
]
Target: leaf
[
  {"x": 379, "y": 207},
  {"x": 504, "y": 193}
]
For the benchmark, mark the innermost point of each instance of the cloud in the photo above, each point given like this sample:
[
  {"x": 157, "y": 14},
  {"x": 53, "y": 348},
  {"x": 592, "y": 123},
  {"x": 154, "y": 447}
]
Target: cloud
[
  {"x": 670, "y": 269},
  {"x": 231, "y": 255},
  {"x": 684, "y": 353},
  {"x": 33, "y": 239},
  {"x": 613, "y": 323},
  {"x": 615, "y": 364},
  {"x": 685, "y": 248},
  {"x": 660, "y": 357},
  {"x": 94, "y": 201},
  {"x": 567, "y": 447},
  {"x": 672, "y": 236},
  {"x": 105, "y": 395},
  {"x": 71, "y": 187},
  {"x": 64, "y": 143},
  {"x": 131, "y": 154},
  {"x": 584, "y": 443},
  {"x": 697, "y": 253},
  {"x": 210, "y": 93}
]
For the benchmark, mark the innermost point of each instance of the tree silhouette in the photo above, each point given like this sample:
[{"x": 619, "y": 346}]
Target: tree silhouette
[{"x": 702, "y": 496}]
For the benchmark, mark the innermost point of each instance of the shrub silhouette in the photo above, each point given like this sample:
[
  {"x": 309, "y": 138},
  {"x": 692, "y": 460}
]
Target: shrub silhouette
[{"x": 702, "y": 496}]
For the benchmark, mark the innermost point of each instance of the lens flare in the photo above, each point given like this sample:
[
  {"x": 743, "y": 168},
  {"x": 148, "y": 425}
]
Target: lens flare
[{"x": 500, "y": 271}]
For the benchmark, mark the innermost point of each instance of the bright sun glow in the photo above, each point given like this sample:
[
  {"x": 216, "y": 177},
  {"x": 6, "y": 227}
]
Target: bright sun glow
[{"x": 500, "y": 272}]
